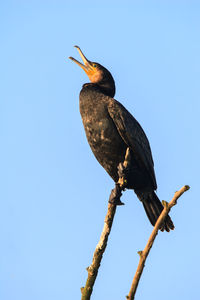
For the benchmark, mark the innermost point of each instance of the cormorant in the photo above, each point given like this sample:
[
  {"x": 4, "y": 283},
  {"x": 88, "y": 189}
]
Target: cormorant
[{"x": 110, "y": 129}]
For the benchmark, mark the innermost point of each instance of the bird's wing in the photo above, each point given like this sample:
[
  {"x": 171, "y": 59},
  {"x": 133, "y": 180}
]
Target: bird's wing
[{"x": 133, "y": 135}]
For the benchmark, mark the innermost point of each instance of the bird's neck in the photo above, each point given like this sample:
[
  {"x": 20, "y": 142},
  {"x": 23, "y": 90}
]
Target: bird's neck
[{"x": 106, "y": 88}]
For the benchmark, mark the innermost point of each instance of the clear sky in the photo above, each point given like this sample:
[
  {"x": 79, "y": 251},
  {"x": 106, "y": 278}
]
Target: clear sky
[{"x": 53, "y": 192}]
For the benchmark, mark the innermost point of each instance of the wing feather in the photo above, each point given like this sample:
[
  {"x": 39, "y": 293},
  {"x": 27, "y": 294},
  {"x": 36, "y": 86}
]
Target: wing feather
[{"x": 133, "y": 135}]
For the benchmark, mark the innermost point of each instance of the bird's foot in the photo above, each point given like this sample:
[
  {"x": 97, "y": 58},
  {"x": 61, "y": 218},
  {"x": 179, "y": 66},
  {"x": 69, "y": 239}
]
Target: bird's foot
[
  {"x": 123, "y": 174},
  {"x": 115, "y": 195}
]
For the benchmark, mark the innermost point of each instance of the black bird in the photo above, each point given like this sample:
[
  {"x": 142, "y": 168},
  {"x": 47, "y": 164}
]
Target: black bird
[{"x": 110, "y": 130}]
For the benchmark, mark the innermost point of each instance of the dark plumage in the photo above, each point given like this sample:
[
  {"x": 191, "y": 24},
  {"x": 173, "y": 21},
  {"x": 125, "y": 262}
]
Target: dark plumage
[{"x": 110, "y": 129}]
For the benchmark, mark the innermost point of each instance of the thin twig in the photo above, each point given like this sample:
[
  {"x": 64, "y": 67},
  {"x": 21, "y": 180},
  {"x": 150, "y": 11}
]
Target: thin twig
[
  {"x": 143, "y": 254},
  {"x": 101, "y": 246}
]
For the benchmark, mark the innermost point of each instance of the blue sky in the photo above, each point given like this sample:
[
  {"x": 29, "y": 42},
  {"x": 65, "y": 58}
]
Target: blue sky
[{"x": 53, "y": 192}]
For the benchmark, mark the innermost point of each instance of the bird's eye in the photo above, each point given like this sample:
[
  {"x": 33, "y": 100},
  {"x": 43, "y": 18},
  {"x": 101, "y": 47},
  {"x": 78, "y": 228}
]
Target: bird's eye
[{"x": 94, "y": 66}]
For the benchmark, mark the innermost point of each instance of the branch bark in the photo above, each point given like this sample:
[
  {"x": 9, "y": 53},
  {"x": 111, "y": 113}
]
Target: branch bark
[
  {"x": 114, "y": 200},
  {"x": 98, "y": 253},
  {"x": 143, "y": 254}
]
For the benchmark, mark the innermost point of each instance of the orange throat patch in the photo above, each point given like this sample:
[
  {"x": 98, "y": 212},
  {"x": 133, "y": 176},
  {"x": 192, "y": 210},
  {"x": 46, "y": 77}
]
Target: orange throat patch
[{"x": 95, "y": 76}]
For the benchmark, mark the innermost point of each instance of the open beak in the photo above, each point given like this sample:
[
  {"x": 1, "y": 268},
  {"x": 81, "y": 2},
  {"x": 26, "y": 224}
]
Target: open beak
[{"x": 87, "y": 66}]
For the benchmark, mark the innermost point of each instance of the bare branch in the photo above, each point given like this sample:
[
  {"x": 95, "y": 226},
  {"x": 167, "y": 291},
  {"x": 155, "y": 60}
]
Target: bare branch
[
  {"x": 98, "y": 253},
  {"x": 114, "y": 200},
  {"x": 143, "y": 254}
]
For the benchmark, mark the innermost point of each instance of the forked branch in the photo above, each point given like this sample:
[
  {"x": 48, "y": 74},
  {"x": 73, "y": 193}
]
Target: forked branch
[{"x": 114, "y": 200}]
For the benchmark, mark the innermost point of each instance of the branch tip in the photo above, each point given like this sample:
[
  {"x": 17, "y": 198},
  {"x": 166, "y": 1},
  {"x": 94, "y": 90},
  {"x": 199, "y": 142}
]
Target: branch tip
[
  {"x": 165, "y": 203},
  {"x": 127, "y": 158},
  {"x": 187, "y": 187}
]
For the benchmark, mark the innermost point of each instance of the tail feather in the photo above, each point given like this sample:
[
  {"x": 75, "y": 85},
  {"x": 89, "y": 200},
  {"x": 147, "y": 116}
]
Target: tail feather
[{"x": 153, "y": 208}]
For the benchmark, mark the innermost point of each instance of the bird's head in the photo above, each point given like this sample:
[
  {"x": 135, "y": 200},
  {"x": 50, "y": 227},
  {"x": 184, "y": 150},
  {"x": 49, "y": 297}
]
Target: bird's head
[{"x": 97, "y": 74}]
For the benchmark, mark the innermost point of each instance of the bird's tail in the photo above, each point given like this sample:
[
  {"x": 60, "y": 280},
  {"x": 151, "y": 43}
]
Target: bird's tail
[{"x": 153, "y": 208}]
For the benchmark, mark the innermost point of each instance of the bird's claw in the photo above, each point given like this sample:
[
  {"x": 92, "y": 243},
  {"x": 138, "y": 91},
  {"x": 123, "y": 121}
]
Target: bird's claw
[
  {"x": 115, "y": 196},
  {"x": 123, "y": 174}
]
